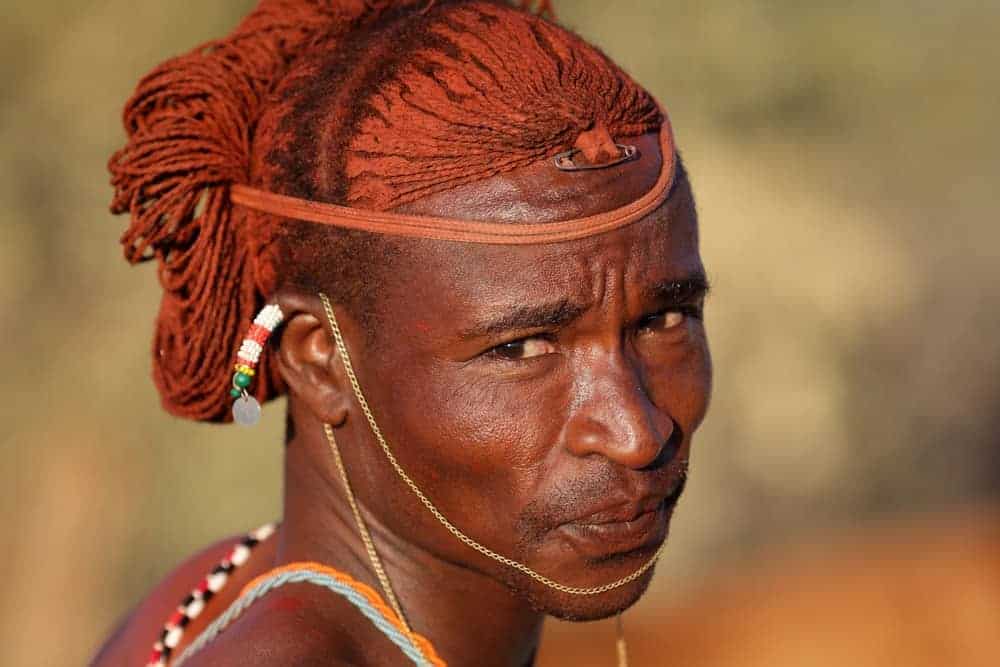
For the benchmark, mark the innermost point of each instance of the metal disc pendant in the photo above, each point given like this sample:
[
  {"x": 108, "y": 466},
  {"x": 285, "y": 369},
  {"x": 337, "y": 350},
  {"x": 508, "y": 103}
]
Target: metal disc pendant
[{"x": 246, "y": 410}]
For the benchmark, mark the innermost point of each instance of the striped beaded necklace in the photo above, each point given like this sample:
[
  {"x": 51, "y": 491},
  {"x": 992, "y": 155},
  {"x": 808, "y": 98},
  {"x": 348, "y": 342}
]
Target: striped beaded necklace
[
  {"x": 246, "y": 410},
  {"x": 213, "y": 582}
]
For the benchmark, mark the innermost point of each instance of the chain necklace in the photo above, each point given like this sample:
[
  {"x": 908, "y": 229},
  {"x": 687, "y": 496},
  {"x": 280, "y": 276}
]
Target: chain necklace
[{"x": 465, "y": 539}]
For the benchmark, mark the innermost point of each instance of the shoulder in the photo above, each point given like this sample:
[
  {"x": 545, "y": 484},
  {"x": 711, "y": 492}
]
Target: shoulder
[
  {"x": 279, "y": 629},
  {"x": 299, "y": 624},
  {"x": 133, "y": 639}
]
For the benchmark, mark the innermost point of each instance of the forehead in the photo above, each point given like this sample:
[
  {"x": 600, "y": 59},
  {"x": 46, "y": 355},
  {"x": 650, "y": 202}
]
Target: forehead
[
  {"x": 448, "y": 281},
  {"x": 449, "y": 278}
]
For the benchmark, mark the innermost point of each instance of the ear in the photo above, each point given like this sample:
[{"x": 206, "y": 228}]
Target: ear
[{"x": 307, "y": 359}]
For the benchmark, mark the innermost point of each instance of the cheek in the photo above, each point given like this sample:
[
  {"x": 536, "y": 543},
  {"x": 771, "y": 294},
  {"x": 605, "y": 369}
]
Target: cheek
[
  {"x": 679, "y": 377},
  {"x": 477, "y": 443}
]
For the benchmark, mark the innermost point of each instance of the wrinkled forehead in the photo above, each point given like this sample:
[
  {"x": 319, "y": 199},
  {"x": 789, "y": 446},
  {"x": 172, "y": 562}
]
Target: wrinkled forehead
[{"x": 444, "y": 279}]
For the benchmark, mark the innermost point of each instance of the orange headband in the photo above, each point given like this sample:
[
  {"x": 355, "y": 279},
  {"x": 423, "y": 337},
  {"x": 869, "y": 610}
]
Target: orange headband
[{"x": 449, "y": 229}]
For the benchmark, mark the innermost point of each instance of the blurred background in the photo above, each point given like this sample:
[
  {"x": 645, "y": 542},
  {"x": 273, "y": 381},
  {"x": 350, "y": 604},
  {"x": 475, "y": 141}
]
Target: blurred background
[{"x": 845, "y": 161}]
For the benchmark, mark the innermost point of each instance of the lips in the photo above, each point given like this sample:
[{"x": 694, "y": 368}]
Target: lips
[
  {"x": 631, "y": 510},
  {"x": 633, "y": 526},
  {"x": 624, "y": 513},
  {"x": 596, "y": 542}
]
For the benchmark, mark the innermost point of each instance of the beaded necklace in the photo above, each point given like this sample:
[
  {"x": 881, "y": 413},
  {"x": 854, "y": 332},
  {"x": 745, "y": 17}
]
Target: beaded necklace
[{"x": 192, "y": 606}]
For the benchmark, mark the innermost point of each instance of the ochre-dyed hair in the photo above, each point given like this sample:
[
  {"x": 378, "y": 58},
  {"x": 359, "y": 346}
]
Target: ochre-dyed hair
[{"x": 366, "y": 103}]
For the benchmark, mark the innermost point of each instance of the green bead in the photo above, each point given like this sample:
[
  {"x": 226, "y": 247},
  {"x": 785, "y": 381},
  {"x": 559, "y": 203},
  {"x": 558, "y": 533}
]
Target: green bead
[
  {"x": 242, "y": 380},
  {"x": 235, "y": 393}
]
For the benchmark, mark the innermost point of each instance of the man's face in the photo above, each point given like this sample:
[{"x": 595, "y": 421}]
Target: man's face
[{"x": 543, "y": 397}]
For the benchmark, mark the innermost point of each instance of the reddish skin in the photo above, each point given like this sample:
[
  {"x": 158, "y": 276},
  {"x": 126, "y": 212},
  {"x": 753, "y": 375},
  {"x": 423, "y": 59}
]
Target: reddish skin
[{"x": 508, "y": 449}]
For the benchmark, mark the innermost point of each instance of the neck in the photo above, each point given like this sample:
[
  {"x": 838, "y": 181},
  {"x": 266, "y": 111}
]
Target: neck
[{"x": 497, "y": 629}]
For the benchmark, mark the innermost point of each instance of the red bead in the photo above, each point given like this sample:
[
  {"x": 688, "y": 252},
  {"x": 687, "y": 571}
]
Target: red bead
[
  {"x": 176, "y": 618},
  {"x": 258, "y": 334}
]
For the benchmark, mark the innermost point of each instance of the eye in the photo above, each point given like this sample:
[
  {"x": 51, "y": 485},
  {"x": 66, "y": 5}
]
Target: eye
[
  {"x": 668, "y": 319},
  {"x": 522, "y": 348}
]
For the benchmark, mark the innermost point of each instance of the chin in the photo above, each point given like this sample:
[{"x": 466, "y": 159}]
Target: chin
[
  {"x": 579, "y": 608},
  {"x": 589, "y": 557},
  {"x": 599, "y": 571}
]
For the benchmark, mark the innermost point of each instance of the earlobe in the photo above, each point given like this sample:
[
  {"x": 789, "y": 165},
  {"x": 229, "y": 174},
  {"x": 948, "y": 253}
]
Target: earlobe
[{"x": 307, "y": 361}]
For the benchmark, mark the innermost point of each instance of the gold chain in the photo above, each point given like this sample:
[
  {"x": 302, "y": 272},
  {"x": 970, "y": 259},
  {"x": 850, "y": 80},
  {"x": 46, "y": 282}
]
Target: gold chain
[
  {"x": 620, "y": 644},
  {"x": 366, "y": 537},
  {"x": 572, "y": 590}
]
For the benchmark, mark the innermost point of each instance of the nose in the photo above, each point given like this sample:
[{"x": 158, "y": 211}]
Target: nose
[{"x": 615, "y": 418}]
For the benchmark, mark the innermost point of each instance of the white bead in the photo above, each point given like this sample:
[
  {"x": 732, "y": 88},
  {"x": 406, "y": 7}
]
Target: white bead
[
  {"x": 239, "y": 555},
  {"x": 251, "y": 346},
  {"x": 264, "y": 532},
  {"x": 195, "y": 608},
  {"x": 269, "y": 317},
  {"x": 216, "y": 581},
  {"x": 173, "y": 636}
]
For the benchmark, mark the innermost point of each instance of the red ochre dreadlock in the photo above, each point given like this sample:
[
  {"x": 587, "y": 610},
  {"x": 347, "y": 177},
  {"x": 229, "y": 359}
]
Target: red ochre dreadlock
[{"x": 366, "y": 103}]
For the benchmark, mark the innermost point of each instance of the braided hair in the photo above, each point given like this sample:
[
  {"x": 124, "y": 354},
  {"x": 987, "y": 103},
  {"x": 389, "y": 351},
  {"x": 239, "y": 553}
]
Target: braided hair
[{"x": 365, "y": 103}]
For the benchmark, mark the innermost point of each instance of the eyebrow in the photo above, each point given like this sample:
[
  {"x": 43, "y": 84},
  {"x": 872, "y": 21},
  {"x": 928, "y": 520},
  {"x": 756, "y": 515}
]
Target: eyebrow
[
  {"x": 536, "y": 316},
  {"x": 678, "y": 291},
  {"x": 558, "y": 313}
]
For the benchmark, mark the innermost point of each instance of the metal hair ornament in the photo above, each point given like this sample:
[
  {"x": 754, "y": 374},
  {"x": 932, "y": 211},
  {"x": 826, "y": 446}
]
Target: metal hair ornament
[
  {"x": 564, "y": 161},
  {"x": 246, "y": 409}
]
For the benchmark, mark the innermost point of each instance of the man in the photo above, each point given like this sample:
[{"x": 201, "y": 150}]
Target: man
[{"x": 531, "y": 403}]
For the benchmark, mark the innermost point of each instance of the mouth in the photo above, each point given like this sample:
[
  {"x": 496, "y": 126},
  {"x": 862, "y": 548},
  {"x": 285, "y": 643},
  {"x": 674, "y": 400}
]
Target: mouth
[{"x": 639, "y": 526}]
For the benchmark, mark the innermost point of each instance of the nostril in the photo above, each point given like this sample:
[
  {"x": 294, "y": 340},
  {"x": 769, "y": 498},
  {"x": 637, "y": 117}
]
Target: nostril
[
  {"x": 637, "y": 444},
  {"x": 619, "y": 421},
  {"x": 669, "y": 449}
]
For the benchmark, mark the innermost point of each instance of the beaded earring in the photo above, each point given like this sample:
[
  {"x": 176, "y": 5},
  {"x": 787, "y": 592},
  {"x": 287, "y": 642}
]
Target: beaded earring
[{"x": 246, "y": 409}]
